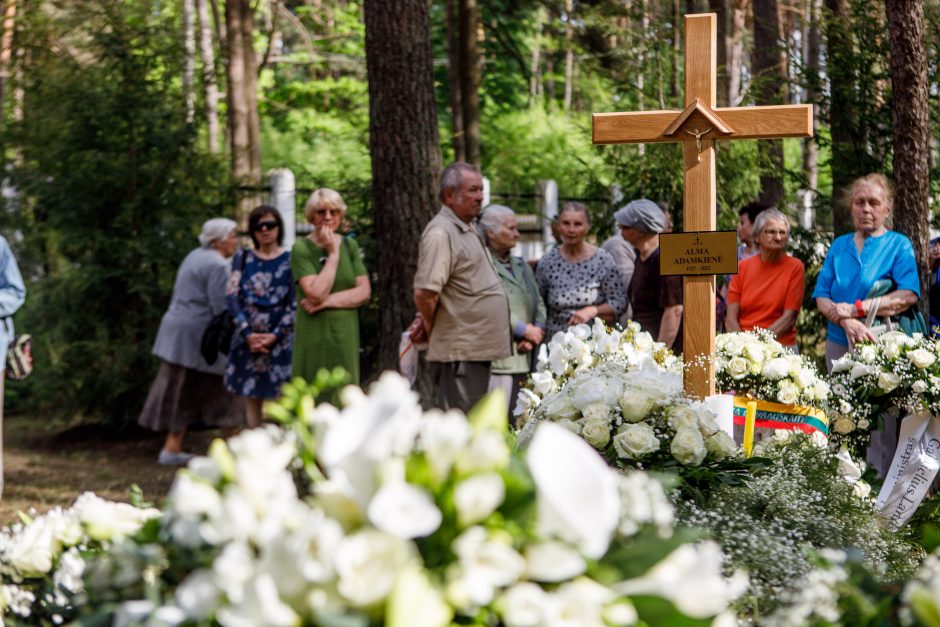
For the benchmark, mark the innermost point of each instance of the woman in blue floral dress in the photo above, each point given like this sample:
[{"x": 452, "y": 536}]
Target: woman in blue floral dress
[{"x": 261, "y": 299}]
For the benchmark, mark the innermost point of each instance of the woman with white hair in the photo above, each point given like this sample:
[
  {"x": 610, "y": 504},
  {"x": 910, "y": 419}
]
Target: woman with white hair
[
  {"x": 526, "y": 308},
  {"x": 188, "y": 389},
  {"x": 332, "y": 284},
  {"x": 767, "y": 291}
]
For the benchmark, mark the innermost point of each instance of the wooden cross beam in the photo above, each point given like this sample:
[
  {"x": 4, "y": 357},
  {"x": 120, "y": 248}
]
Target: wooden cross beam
[{"x": 698, "y": 126}]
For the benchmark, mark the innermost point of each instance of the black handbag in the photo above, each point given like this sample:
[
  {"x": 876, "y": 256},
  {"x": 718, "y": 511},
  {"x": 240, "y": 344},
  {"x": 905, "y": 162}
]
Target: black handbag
[{"x": 217, "y": 338}]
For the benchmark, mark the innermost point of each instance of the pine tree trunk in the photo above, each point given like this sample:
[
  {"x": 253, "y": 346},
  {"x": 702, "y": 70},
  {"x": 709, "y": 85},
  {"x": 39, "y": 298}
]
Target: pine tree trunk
[
  {"x": 453, "y": 76},
  {"x": 535, "y": 80},
  {"x": 207, "y": 56},
  {"x": 910, "y": 120},
  {"x": 470, "y": 79},
  {"x": 720, "y": 9},
  {"x": 6, "y": 47},
  {"x": 569, "y": 53},
  {"x": 770, "y": 81},
  {"x": 841, "y": 112},
  {"x": 736, "y": 56},
  {"x": 189, "y": 59},
  {"x": 812, "y": 94},
  {"x": 243, "y": 103},
  {"x": 406, "y": 159}
]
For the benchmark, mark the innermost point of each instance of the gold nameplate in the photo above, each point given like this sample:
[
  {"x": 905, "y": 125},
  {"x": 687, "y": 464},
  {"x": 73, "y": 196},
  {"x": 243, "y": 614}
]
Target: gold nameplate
[{"x": 698, "y": 252}]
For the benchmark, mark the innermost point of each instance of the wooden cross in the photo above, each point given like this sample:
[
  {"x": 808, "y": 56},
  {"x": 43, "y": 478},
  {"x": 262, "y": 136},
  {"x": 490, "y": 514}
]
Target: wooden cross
[{"x": 698, "y": 127}]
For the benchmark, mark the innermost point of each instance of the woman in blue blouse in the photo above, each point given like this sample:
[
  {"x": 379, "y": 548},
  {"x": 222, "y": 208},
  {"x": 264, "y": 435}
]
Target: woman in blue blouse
[
  {"x": 260, "y": 297},
  {"x": 856, "y": 260}
]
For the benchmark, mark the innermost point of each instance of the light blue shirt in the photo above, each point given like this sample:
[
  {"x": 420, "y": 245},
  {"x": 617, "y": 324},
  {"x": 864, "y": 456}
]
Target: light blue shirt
[
  {"x": 12, "y": 296},
  {"x": 846, "y": 275}
]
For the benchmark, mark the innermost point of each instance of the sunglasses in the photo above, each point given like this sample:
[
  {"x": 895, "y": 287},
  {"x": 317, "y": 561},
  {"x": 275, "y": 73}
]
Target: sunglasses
[{"x": 269, "y": 225}]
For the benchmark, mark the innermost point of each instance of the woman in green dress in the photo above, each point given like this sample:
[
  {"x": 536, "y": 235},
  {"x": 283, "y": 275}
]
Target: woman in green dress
[{"x": 332, "y": 285}]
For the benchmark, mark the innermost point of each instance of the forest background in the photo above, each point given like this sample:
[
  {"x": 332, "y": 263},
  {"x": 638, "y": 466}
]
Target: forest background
[{"x": 126, "y": 123}]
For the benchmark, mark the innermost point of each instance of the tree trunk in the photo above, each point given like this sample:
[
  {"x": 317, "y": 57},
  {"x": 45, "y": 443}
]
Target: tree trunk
[
  {"x": 720, "y": 8},
  {"x": 677, "y": 29},
  {"x": 453, "y": 76},
  {"x": 569, "y": 53},
  {"x": 207, "y": 55},
  {"x": 841, "y": 111},
  {"x": 243, "y": 103},
  {"x": 6, "y": 48},
  {"x": 189, "y": 59},
  {"x": 535, "y": 79},
  {"x": 406, "y": 158},
  {"x": 910, "y": 120},
  {"x": 736, "y": 56},
  {"x": 770, "y": 81},
  {"x": 812, "y": 94},
  {"x": 470, "y": 79}
]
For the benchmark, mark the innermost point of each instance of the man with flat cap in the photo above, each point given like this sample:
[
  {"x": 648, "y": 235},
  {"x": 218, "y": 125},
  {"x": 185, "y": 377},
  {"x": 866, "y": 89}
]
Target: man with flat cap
[{"x": 656, "y": 300}]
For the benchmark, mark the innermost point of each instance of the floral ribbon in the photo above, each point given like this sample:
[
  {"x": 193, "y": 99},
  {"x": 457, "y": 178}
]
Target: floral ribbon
[
  {"x": 915, "y": 464},
  {"x": 779, "y": 416}
]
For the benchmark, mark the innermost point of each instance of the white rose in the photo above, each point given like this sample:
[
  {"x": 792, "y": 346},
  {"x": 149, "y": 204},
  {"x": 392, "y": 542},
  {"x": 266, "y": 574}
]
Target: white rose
[
  {"x": 788, "y": 395},
  {"x": 521, "y": 605},
  {"x": 688, "y": 447},
  {"x": 570, "y": 425},
  {"x": 892, "y": 349},
  {"x": 737, "y": 367},
  {"x": 843, "y": 425},
  {"x": 596, "y": 432},
  {"x": 707, "y": 422},
  {"x": 888, "y": 381},
  {"x": 635, "y": 405},
  {"x": 845, "y": 407},
  {"x": 868, "y": 354},
  {"x": 721, "y": 445},
  {"x": 596, "y": 411},
  {"x": 822, "y": 389},
  {"x": 404, "y": 511},
  {"x": 919, "y": 386},
  {"x": 367, "y": 563},
  {"x": 921, "y": 358},
  {"x": 559, "y": 406},
  {"x": 33, "y": 549},
  {"x": 863, "y": 423},
  {"x": 805, "y": 377},
  {"x": 478, "y": 497},
  {"x": 754, "y": 352},
  {"x": 776, "y": 368},
  {"x": 104, "y": 520},
  {"x": 543, "y": 382},
  {"x": 635, "y": 440},
  {"x": 683, "y": 417}
]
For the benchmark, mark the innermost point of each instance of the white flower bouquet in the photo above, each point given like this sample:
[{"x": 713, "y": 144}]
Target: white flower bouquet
[
  {"x": 898, "y": 371},
  {"x": 382, "y": 514},
  {"x": 755, "y": 364},
  {"x": 583, "y": 349},
  {"x": 635, "y": 414},
  {"x": 43, "y": 558}
]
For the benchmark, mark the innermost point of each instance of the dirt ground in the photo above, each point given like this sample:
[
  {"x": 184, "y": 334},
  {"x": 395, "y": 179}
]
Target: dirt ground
[{"x": 45, "y": 467}]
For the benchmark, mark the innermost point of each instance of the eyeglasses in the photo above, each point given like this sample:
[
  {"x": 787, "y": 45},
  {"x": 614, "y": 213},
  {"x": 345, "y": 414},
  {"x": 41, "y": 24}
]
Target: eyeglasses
[
  {"x": 268, "y": 225},
  {"x": 324, "y": 212}
]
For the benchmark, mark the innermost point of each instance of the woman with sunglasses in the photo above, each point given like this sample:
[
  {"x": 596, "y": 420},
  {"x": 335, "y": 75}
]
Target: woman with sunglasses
[
  {"x": 260, "y": 297},
  {"x": 333, "y": 284}
]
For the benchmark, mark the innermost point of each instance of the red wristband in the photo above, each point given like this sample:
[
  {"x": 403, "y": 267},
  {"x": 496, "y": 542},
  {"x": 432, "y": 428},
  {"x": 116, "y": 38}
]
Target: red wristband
[{"x": 859, "y": 308}]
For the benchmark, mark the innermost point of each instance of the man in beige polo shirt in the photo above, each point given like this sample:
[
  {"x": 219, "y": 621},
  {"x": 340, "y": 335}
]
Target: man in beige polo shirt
[{"x": 460, "y": 299}]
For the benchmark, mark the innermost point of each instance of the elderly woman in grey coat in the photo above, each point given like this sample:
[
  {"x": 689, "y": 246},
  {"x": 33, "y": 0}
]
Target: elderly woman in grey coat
[
  {"x": 188, "y": 389},
  {"x": 526, "y": 308}
]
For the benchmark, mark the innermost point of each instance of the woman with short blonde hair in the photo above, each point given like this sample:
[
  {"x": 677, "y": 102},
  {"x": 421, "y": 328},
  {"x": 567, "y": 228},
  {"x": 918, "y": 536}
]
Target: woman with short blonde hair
[{"x": 332, "y": 285}]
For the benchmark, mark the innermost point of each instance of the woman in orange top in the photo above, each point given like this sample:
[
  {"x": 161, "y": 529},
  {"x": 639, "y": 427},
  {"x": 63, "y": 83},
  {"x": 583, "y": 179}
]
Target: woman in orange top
[{"x": 767, "y": 292}]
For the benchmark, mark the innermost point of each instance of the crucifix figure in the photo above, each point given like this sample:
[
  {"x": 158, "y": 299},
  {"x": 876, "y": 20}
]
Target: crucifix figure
[{"x": 698, "y": 126}]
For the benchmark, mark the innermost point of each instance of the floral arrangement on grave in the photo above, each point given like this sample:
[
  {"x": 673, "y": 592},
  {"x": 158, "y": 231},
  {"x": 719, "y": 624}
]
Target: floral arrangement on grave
[
  {"x": 43, "y": 558},
  {"x": 896, "y": 373},
  {"x": 622, "y": 393},
  {"x": 754, "y": 364},
  {"x": 382, "y": 514}
]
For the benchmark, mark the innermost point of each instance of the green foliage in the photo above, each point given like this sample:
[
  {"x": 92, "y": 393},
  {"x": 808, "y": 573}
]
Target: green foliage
[{"x": 112, "y": 190}]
